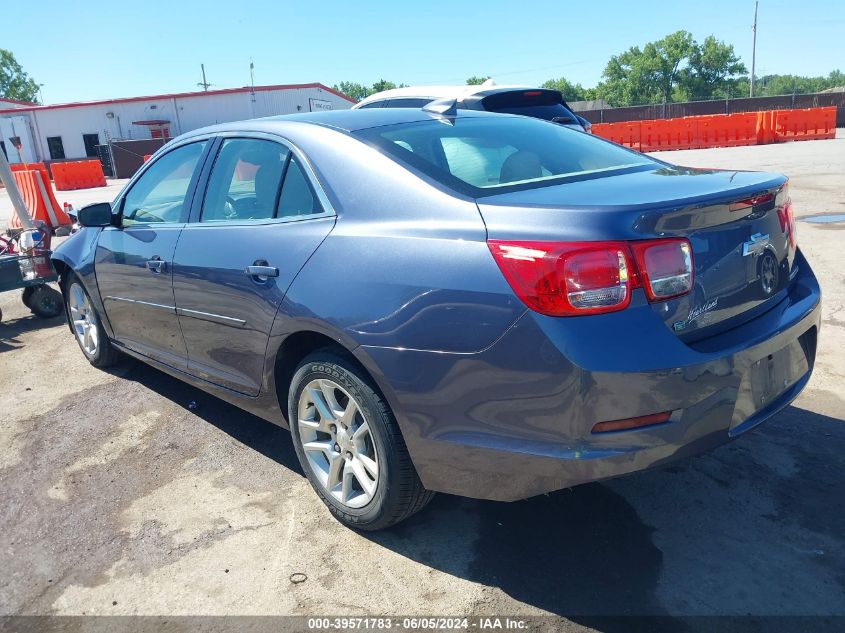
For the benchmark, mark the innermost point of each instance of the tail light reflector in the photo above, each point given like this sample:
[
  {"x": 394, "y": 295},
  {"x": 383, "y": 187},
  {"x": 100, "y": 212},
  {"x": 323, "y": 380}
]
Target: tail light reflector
[
  {"x": 579, "y": 278},
  {"x": 632, "y": 423}
]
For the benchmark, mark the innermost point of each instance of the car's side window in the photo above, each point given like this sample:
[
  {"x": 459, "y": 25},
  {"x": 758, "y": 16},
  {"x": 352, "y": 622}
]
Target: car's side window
[
  {"x": 408, "y": 102},
  {"x": 244, "y": 181},
  {"x": 297, "y": 195},
  {"x": 373, "y": 104},
  {"x": 159, "y": 194}
]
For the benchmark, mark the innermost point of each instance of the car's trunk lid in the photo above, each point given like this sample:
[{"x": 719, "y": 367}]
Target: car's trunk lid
[{"x": 736, "y": 222}]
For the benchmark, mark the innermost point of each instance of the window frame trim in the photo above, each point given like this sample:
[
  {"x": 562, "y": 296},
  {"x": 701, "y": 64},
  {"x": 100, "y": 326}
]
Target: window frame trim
[
  {"x": 190, "y": 194},
  {"x": 195, "y": 217}
]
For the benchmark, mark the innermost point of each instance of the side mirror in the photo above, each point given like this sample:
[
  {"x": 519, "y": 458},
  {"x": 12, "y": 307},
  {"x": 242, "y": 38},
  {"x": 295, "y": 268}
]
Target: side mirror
[{"x": 97, "y": 214}]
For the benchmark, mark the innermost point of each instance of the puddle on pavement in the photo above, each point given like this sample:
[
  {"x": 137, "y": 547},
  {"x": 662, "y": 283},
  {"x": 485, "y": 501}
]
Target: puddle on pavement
[{"x": 824, "y": 219}]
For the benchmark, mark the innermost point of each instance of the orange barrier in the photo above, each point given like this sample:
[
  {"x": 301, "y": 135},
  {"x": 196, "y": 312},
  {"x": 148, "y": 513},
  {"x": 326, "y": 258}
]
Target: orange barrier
[
  {"x": 81, "y": 174},
  {"x": 626, "y": 133},
  {"x": 39, "y": 200},
  {"x": 30, "y": 166},
  {"x": 805, "y": 125},
  {"x": 722, "y": 130}
]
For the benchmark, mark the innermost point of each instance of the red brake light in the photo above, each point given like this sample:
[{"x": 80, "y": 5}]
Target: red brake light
[
  {"x": 532, "y": 93},
  {"x": 665, "y": 267},
  {"x": 575, "y": 278},
  {"x": 567, "y": 278}
]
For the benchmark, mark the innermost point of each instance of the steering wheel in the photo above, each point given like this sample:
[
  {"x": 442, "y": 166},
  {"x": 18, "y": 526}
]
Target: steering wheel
[{"x": 230, "y": 208}]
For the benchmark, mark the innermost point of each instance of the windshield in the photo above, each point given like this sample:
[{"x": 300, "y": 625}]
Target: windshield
[{"x": 487, "y": 155}]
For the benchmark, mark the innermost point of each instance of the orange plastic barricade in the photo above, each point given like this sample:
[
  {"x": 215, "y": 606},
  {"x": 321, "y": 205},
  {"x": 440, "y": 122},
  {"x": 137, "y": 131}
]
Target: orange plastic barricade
[
  {"x": 626, "y": 133},
  {"x": 82, "y": 174},
  {"x": 30, "y": 166},
  {"x": 682, "y": 132},
  {"x": 39, "y": 200},
  {"x": 740, "y": 129},
  {"x": 656, "y": 135},
  {"x": 805, "y": 124}
]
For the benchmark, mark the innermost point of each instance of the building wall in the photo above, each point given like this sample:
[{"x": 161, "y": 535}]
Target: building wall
[{"x": 186, "y": 113}]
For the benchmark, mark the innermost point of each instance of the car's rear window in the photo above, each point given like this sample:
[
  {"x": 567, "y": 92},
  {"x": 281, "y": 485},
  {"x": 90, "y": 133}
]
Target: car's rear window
[
  {"x": 486, "y": 155},
  {"x": 540, "y": 104}
]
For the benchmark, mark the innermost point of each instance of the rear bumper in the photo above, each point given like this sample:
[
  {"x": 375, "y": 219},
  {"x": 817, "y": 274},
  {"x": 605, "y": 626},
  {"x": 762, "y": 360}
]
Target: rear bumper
[{"x": 515, "y": 420}]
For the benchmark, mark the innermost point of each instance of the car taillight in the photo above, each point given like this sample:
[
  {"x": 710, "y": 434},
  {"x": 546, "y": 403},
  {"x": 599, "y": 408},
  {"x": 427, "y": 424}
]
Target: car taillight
[
  {"x": 566, "y": 278},
  {"x": 665, "y": 267},
  {"x": 579, "y": 278}
]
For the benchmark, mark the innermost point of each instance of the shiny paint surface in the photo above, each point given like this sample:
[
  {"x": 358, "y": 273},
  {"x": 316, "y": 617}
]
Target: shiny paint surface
[
  {"x": 493, "y": 400},
  {"x": 137, "y": 300}
]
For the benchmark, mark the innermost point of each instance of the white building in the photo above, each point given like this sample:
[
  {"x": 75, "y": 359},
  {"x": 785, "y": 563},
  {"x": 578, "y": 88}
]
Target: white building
[{"x": 73, "y": 130}]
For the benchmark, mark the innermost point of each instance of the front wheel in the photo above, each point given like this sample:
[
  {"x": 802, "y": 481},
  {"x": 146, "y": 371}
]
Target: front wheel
[
  {"x": 349, "y": 445},
  {"x": 87, "y": 328}
]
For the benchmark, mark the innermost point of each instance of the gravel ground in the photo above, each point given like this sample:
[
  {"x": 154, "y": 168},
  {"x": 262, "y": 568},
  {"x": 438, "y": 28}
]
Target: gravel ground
[{"x": 117, "y": 498}]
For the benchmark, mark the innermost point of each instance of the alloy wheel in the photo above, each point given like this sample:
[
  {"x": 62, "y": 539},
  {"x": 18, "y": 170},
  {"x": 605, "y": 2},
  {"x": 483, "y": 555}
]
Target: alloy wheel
[
  {"x": 83, "y": 318},
  {"x": 338, "y": 443}
]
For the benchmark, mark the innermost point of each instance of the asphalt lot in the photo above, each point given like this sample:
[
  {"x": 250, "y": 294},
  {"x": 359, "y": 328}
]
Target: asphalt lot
[{"x": 119, "y": 498}]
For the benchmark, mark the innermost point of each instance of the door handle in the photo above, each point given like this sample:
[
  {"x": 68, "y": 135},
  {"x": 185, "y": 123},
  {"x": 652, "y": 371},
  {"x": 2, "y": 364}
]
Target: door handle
[
  {"x": 260, "y": 271},
  {"x": 156, "y": 265}
]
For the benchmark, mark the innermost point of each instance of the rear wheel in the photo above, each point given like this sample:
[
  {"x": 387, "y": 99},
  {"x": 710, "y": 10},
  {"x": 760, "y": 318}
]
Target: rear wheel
[
  {"x": 350, "y": 447},
  {"x": 87, "y": 328},
  {"x": 44, "y": 301}
]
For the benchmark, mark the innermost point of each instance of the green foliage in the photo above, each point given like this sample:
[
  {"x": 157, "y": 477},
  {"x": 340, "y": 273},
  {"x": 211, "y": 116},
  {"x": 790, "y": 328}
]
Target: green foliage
[
  {"x": 675, "y": 68},
  {"x": 475, "y": 80},
  {"x": 570, "y": 91},
  {"x": 771, "y": 85},
  {"x": 14, "y": 82},
  {"x": 713, "y": 71},
  {"x": 359, "y": 91}
]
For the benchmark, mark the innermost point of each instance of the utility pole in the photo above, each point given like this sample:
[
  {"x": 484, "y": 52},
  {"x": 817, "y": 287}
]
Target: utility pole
[
  {"x": 204, "y": 84},
  {"x": 753, "y": 49}
]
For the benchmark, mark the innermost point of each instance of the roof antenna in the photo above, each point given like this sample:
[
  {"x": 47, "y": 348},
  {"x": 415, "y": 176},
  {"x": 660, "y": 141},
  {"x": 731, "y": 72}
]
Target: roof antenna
[{"x": 442, "y": 108}]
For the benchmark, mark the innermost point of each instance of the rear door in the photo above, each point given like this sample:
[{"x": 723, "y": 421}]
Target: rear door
[
  {"x": 133, "y": 262},
  {"x": 261, "y": 217}
]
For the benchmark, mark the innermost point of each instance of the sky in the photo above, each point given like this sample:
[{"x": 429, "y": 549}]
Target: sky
[{"x": 84, "y": 50}]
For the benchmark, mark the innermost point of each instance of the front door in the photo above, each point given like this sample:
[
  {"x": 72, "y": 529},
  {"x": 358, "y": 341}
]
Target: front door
[
  {"x": 133, "y": 264},
  {"x": 258, "y": 223}
]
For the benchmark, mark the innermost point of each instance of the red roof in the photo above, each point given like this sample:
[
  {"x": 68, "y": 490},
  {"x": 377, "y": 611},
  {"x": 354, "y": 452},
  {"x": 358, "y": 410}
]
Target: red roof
[
  {"x": 17, "y": 101},
  {"x": 175, "y": 95}
]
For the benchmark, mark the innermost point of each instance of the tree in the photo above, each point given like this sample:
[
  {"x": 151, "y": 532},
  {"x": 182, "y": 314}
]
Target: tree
[
  {"x": 570, "y": 91},
  {"x": 475, "y": 80},
  {"x": 713, "y": 72},
  {"x": 359, "y": 91},
  {"x": 14, "y": 82},
  {"x": 772, "y": 85}
]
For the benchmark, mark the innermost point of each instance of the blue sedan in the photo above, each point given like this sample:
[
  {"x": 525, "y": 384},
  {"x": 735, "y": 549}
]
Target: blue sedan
[{"x": 434, "y": 299}]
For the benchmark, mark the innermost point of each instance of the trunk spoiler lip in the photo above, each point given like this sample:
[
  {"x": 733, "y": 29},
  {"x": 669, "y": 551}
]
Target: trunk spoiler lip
[{"x": 768, "y": 183}]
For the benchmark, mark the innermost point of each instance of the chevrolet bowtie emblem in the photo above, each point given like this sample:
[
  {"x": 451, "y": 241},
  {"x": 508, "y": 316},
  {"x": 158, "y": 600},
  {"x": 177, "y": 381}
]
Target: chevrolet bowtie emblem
[{"x": 756, "y": 245}]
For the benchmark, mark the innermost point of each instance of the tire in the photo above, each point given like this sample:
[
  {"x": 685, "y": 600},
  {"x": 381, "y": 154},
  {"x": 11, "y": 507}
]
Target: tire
[
  {"x": 45, "y": 302},
  {"x": 87, "y": 327},
  {"x": 27, "y": 293},
  {"x": 372, "y": 433}
]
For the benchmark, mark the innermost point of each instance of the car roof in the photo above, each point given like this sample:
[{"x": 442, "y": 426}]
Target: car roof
[
  {"x": 343, "y": 120},
  {"x": 439, "y": 92}
]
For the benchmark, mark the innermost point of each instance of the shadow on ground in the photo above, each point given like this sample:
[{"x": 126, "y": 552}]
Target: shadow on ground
[
  {"x": 585, "y": 553},
  {"x": 11, "y": 329},
  {"x": 252, "y": 431}
]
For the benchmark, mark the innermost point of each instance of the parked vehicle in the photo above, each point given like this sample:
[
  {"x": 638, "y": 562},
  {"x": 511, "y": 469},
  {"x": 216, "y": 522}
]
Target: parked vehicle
[
  {"x": 443, "y": 300},
  {"x": 540, "y": 103}
]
